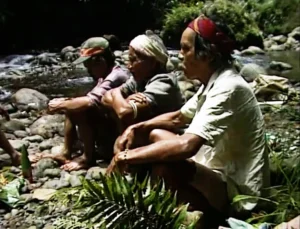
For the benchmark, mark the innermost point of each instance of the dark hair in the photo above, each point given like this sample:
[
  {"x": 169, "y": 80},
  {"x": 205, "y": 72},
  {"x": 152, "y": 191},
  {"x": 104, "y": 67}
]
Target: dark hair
[
  {"x": 204, "y": 48},
  {"x": 107, "y": 55},
  {"x": 114, "y": 42}
]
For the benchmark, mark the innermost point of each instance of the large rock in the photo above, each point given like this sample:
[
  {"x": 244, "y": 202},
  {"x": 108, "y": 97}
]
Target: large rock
[
  {"x": 42, "y": 165},
  {"x": 280, "y": 66},
  {"x": 27, "y": 99},
  {"x": 18, "y": 144},
  {"x": 48, "y": 125},
  {"x": 295, "y": 34},
  {"x": 252, "y": 50},
  {"x": 277, "y": 48},
  {"x": 251, "y": 71},
  {"x": 12, "y": 126},
  {"x": 280, "y": 39}
]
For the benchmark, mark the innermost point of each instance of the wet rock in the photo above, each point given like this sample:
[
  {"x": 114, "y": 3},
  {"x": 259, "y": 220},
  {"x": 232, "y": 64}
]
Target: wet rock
[
  {"x": 56, "y": 184},
  {"x": 15, "y": 170},
  {"x": 7, "y": 216},
  {"x": 57, "y": 149},
  {"x": 27, "y": 197},
  {"x": 18, "y": 144},
  {"x": 295, "y": 34},
  {"x": 280, "y": 66},
  {"x": 27, "y": 99},
  {"x": 52, "y": 172},
  {"x": 74, "y": 181},
  {"x": 20, "y": 133},
  {"x": 251, "y": 71},
  {"x": 252, "y": 50},
  {"x": 19, "y": 114},
  {"x": 14, "y": 212},
  {"x": 94, "y": 173},
  {"x": 48, "y": 125},
  {"x": 79, "y": 172},
  {"x": 13, "y": 125},
  {"x": 5, "y": 160},
  {"x": 42, "y": 165},
  {"x": 10, "y": 136},
  {"x": 277, "y": 48},
  {"x": 49, "y": 143},
  {"x": 280, "y": 39},
  {"x": 34, "y": 138},
  {"x": 26, "y": 121}
]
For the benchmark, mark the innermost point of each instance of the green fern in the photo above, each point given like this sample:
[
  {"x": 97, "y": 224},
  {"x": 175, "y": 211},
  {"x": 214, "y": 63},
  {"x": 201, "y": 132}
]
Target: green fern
[{"x": 117, "y": 203}]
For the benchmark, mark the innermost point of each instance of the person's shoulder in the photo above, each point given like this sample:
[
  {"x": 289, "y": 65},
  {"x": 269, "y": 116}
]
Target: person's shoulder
[
  {"x": 231, "y": 80},
  {"x": 120, "y": 73},
  {"x": 164, "y": 77}
]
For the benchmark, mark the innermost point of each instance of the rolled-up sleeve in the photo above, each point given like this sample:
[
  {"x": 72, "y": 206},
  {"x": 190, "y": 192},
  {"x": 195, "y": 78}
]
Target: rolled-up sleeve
[
  {"x": 129, "y": 87},
  {"x": 161, "y": 91},
  {"x": 115, "y": 79},
  {"x": 214, "y": 118}
]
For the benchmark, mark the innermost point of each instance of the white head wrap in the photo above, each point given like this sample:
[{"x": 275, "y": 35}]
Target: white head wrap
[{"x": 150, "y": 47}]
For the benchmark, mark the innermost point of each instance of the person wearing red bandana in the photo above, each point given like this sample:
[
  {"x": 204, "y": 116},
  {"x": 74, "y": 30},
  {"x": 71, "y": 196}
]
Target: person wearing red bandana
[
  {"x": 87, "y": 112},
  {"x": 223, "y": 150}
]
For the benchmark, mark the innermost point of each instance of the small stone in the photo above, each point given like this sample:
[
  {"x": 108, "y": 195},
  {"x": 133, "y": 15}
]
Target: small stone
[
  {"x": 34, "y": 138},
  {"x": 56, "y": 184},
  {"x": 42, "y": 165},
  {"x": 10, "y": 136},
  {"x": 18, "y": 144},
  {"x": 74, "y": 181},
  {"x": 20, "y": 133},
  {"x": 14, "y": 212},
  {"x": 79, "y": 172},
  {"x": 94, "y": 173},
  {"x": 15, "y": 170},
  {"x": 13, "y": 125},
  {"x": 27, "y": 197},
  {"x": 2, "y": 211},
  {"x": 7, "y": 216},
  {"x": 52, "y": 173}
]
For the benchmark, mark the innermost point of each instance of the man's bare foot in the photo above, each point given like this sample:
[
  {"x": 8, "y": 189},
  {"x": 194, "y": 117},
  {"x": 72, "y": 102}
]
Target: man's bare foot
[
  {"x": 61, "y": 157},
  {"x": 78, "y": 163}
]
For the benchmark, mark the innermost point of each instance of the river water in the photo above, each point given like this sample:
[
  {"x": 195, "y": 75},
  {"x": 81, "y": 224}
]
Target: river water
[{"x": 80, "y": 85}]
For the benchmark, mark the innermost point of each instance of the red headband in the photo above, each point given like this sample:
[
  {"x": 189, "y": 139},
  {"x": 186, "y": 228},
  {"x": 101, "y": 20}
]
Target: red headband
[{"x": 207, "y": 29}]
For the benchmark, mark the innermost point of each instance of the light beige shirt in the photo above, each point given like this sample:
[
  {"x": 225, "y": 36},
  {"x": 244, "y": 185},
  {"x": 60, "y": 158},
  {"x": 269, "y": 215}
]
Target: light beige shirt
[{"x": 226, "y": 114}]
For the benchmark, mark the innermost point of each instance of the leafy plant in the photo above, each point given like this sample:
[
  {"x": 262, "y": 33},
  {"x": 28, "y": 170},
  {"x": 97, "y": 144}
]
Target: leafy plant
[
  {"x": 283, "y": 202},
  {"x": 117, "y": 203}
]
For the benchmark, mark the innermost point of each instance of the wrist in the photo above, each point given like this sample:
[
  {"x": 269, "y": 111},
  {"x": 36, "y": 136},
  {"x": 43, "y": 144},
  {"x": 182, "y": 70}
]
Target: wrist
[{"x": 121, "y": 157}]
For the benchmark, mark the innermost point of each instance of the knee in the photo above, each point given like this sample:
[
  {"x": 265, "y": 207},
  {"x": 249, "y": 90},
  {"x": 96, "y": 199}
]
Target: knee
[
  {"x": 77, "y": 117},
  {"x": 161, "y": 170},
  {"x": 155, "y": 135}
]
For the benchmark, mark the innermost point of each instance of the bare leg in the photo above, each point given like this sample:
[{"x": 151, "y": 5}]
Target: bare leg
[
  {"x": 87, "y": 136},
  {"x": 7, "y": 147},
  {"x": 69, "y": 141}
]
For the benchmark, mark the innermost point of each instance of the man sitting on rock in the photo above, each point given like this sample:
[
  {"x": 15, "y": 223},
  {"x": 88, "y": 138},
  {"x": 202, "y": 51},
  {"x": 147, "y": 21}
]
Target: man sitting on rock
[
  {"x": 151, "y": 91},
  {"x": 223, "y": 151},
  {"x": 87, "y": 113}
]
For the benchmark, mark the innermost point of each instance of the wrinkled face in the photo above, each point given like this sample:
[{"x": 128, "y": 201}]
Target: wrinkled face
[
  {"x": 193, "y": 65},
  {"x": 140, "y": 66},
  {"x": 96, "y": 67}
]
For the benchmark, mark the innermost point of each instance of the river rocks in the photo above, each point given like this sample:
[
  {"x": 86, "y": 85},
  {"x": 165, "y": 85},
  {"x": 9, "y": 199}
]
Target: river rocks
[
  {"x": 34, "y": 138},
  {"x": 252, "y": 50},
  {"x": 281, "y": 42},
  {"x": 20, "y": 133},
  {"x": 42, "y": 165},
  {"x": 26, "y": 99},
  {"x": 18, "y": 144},
  {"x": 280, "y": 39},
  {"x": 251, "y": 71},
  {"x": 13, "y": 125},
  {"x": 49, "y": 125},
  {"x": 280, "y": 66},
  {"x": 52, "y": 172}
]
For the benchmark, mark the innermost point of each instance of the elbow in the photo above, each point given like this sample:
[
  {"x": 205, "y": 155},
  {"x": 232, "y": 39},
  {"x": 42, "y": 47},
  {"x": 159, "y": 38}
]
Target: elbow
[
  {"x": 122, "y": 113},
  {"x": 189, "y": 147}
]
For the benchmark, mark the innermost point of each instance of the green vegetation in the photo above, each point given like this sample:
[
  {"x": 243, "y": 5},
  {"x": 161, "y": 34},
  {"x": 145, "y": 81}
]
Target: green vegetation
[{"x": 117, "y": 203}]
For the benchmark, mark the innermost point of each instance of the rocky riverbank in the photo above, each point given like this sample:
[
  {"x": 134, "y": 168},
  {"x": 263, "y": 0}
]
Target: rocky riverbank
[{"x": 43, "y": 133}]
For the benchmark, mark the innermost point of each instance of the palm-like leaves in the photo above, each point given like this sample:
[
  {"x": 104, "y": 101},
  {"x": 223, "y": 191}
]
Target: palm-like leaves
[{"x": 117, "y": 203}]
